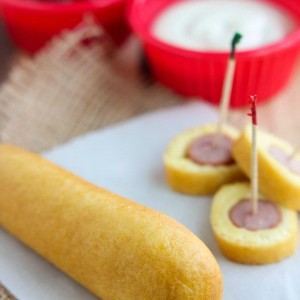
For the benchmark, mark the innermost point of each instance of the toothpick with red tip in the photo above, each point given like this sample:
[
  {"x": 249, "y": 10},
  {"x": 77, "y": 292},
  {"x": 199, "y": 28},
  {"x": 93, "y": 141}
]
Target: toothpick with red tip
[
  {"x": 254, "y": 164},
  {"x": 227, "y": 84}
]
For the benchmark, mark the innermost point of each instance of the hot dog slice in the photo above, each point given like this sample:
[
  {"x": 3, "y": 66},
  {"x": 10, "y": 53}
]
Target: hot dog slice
[
  {"x": 197, "y": 163},
  {"x": 278, "y": 179},
  {"x": 268, "y": 215},
  {"x": 258, "y": 242},
  {"x": 211, "y": 149}
]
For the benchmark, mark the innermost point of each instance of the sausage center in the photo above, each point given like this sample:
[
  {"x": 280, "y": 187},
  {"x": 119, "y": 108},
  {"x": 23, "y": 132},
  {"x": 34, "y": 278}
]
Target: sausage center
[
  {"x": 267, "y": 216},
  {"x": 211, "y": 149},
  {"x": 292, "y": 163}
]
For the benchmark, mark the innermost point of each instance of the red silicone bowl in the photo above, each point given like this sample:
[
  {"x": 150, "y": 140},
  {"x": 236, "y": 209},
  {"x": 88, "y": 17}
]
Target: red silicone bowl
[
  {"x": 263, "y": 71},
  {"x": 31, "y": 23}
]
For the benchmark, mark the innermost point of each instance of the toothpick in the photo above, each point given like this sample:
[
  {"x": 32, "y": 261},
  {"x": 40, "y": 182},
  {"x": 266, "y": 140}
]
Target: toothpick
[
  {"x": 254, "y": 164},
  {"x": 227, "y": 84}
]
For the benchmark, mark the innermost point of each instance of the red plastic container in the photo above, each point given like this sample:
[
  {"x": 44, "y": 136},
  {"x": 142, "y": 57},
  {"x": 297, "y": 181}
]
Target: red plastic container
[
  {"x": 31, "y": 23},
  {"x": 263, "y": 71}
]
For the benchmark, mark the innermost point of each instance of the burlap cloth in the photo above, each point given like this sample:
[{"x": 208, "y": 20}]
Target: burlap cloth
[{"x": 69, "y": 89}]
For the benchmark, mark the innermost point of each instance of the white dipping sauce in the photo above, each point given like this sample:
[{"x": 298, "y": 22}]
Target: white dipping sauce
[{"x": 210, "y": 24}]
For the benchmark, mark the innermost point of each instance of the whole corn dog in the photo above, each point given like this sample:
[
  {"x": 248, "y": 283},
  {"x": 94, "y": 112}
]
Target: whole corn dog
[{"x": 114, "y": 247}]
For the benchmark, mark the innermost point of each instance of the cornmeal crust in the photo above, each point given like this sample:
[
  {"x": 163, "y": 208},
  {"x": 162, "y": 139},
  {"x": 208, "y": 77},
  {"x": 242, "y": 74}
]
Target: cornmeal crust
[
  {"x": 251, "y": 247},
  {"x": 185, "y": 176},
  {"x": 114, "y": 247},
  {"x": 276, "y": 181}
]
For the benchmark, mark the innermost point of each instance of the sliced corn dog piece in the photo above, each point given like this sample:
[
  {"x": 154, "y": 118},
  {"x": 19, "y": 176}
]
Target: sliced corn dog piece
[
  {"x": 184, "y": 174},
  {"x": 277, "y": 179},
  {"x": 240, "y": 244},
  {"x": 114, "y": 247}
]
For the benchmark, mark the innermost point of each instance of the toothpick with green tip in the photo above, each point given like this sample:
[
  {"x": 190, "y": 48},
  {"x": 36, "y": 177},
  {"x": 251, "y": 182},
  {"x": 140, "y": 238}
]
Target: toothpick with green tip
[
  {"x": 227, "y": 84},
  {"x": 235, "y": 40}
]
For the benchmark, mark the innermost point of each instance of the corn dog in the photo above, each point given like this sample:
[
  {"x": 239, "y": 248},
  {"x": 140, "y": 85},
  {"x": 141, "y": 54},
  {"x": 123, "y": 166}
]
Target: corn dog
[
  {"x": 277, "y": 180},
  {"x": 261, "y": 244},
  {"x": 114, "y": 247},
  {"x": 194, "y": 165}
]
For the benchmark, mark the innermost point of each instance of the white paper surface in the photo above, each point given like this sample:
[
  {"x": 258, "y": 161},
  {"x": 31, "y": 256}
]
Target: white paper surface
[{"x": 127, "y": 159}]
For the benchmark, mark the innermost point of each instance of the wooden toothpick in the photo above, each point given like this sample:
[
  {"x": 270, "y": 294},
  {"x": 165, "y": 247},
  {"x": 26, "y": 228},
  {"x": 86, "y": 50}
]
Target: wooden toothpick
[
  {"x": 254, "y": 164},
  {"x": 227, "y": 84}
]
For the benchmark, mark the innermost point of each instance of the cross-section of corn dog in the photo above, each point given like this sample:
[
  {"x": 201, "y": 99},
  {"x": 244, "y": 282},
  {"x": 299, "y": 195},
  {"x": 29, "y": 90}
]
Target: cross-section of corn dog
[
  {"x": 268, "y": 236},
  {"x": 199, "y": 162},
  {"x": 279, "y": 174},
  {"x": 114, "y": 247}
]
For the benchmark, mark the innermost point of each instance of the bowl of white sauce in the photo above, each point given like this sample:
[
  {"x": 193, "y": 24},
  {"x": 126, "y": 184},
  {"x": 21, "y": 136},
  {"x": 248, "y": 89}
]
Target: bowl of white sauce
[{"x": 187, "y": 44}]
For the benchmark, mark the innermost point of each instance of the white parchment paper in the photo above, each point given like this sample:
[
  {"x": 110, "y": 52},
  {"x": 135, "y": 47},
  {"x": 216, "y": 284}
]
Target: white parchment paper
[{"x": 127, "y": 159}]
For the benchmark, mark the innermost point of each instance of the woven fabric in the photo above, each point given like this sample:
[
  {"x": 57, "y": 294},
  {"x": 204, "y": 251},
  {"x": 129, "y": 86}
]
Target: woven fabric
[
  {"x": 69, "y": 89},
  {"x": 4, "y": 294}
]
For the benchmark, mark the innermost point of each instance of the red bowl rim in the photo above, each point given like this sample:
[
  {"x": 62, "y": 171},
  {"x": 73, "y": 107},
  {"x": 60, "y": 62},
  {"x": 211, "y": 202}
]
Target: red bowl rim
[
  {"x": 40, "y": 6},
  {"x": 290, "y": 40}
]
